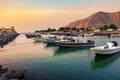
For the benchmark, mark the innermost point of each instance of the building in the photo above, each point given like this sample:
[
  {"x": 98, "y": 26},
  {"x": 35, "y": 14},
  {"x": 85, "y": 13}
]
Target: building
[{"x": 8, "y": 30}]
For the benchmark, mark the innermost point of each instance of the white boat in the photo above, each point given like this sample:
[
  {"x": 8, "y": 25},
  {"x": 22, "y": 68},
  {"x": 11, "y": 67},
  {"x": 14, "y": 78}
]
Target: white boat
[
  {"x": 53, "y": 41},
  {"x": 110, "y": 48},
  {"x": 113, "y": 35},
  {"x": 87, "y": 35}
]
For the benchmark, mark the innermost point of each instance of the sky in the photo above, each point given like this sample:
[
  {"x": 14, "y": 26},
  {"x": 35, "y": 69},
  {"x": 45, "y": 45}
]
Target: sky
[{"x": 31, "y": 15}]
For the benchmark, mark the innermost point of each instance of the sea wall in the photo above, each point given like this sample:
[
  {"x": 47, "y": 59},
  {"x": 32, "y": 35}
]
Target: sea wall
[{"x": 5, "y": 38}]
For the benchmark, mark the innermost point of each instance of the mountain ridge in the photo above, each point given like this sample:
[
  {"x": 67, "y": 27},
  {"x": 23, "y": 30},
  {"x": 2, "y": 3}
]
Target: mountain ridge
[{"x": 97, "y": 19}]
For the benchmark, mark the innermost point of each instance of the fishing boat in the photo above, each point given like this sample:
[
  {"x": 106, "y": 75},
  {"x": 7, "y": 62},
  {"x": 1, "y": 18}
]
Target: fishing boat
[
  {"x": 32, "y": 35},
  {"x": 110, "y": 48},
  {"x": 55, "y": 40},
  {"x": 38, "y": 40},
  {"x": 87, "y": 44}
]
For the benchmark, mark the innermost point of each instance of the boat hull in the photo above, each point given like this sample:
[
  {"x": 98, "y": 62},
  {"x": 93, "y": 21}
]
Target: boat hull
[
  {"x": 74, "y": 45},
  {"x": 105, "y": 51},
  {"x": 50, "y": 42}
]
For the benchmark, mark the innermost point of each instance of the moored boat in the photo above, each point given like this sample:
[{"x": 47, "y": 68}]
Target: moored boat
[
  {"x": 54, "y": 41},
  {"x": 87, "y": 44},
  {"x": 32, "y": 35},
  {"x": 110, "y": 48},
  {"x": 38, "y": 40}
]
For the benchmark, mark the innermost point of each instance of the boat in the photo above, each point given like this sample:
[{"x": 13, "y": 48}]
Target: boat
[
  {"x": 66, "y": 33},
  {"x": 87, "y": 44},
  {"x": 53, "y": 41},
  {"x": 113, "y": 35},
  {"x": 87, "y": 35},
  {"x": 38, "y": 40},
  {"x": 32, "y": 35},
  {"x": 110, "y": 48}
]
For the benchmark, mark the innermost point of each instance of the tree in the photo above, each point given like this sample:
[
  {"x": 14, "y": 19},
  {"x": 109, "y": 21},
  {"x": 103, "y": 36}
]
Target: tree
[
  {"x": 61, "y": 29},
  {"x": 37, "y": 31},
  {"x": 105, "y": 27},
  {"x": 67, "y": 28},
  {"x": 82, "y": 29},
  {"x": 112, "y": 26},
  {"x": 73, "y": 28},
  {"x": 50, "y": 30}
]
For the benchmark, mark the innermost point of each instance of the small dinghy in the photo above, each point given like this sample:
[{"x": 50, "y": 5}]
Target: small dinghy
[{"x": 110, "y": 48}]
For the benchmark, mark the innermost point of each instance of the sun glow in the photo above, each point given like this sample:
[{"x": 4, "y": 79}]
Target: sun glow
[{"x": 29, "y": 15}]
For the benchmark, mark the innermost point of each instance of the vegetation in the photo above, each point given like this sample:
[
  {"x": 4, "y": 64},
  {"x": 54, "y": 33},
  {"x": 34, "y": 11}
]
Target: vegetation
[
  {"x": 111, "y": 26},
  {"x": 47, "y": 30},
  {"x": 82, "y": 29},
  {"x": 65, "y": 29},
  {"x": 68, "y": 29}
]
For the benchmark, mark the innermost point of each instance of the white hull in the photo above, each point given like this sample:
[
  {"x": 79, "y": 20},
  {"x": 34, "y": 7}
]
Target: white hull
[{"x": 102, "y": 51}]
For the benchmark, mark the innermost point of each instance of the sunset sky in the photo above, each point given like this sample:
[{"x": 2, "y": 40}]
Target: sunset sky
[{"x": 30, "y": 15}]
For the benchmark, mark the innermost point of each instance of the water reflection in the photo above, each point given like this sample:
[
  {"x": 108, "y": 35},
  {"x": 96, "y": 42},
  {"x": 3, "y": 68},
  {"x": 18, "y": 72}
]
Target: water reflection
[
  {"x": 62, "y": 51},
  {"x": 47, "y": 46},
  {"x": 103, "y": 61}
]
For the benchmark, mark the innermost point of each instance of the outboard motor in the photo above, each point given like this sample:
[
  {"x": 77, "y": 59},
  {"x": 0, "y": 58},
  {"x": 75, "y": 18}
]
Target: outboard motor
[
  {"x": 114, "y": 43},
  {"x": 89, "y": 41}
]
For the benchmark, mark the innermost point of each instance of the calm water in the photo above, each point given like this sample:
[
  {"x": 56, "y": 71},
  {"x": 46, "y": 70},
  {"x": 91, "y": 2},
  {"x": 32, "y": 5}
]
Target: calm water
[{"x": 60, "y": 64}]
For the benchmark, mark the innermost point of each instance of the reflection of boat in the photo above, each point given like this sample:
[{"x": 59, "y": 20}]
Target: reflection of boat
[
  {"x": 61, "y": 51},
  {"x": 89, "y": 43},
  {"x": 103, "y": 61},
  {"x": 110, "y": 48}
]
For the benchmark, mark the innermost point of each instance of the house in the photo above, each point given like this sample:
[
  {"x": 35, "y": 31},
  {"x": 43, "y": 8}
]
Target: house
[
  {"x": 109, "y": 30},
  {"x": 97, "y": 30}
]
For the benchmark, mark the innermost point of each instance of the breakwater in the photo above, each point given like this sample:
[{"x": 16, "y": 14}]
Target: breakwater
[{"x": 5, "y": 38}]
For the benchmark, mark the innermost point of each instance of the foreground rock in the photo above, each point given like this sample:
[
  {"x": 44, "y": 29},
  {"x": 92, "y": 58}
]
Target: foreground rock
[{"x": 6, "y": 74}]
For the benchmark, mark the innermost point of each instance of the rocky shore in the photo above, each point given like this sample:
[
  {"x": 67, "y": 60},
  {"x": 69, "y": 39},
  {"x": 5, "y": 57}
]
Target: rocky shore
[{"x": 6, "y": 74}]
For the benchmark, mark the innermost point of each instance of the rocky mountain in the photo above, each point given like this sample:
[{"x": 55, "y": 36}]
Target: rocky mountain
[{"x": 97, "y": 19}]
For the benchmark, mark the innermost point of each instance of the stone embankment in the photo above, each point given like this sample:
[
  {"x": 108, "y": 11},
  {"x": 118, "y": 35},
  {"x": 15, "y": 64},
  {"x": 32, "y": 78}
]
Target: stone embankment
[{"x": 6, "y": 38}]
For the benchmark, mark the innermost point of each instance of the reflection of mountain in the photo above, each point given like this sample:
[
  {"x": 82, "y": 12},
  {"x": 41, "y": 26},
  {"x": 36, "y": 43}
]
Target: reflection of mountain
[
  {"x": 61, "y": 51},
  {"x": 103, "y": 61}
]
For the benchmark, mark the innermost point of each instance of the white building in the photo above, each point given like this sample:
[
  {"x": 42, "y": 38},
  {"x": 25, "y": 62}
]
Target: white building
[{"x": 110, "y": 30}]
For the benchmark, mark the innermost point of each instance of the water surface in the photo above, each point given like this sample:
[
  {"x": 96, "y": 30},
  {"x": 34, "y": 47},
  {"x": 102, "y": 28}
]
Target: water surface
[{"x": 60, "y": 64}]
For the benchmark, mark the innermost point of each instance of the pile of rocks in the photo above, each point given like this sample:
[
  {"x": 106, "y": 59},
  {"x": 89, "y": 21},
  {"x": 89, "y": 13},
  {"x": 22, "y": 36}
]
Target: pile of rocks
[{"x": 6, "y": 74}]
